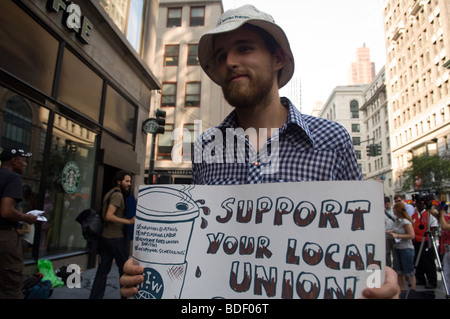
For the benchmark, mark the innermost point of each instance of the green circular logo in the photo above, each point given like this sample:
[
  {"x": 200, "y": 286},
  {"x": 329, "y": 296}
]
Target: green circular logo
[{"x": 71, "y": 177}]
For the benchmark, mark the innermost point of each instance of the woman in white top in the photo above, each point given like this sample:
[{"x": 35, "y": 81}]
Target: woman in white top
[{"x": 403, "y": 234}]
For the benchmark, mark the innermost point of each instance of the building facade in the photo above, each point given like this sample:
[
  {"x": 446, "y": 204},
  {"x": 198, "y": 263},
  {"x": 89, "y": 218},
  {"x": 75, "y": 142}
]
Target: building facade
[
  {"x": 192, "y": 102},
  {"x": 377, "y": 132},
  {"x": 343, "y": 106},
  {"x": 417, "y": 80},
  {"x": 75, "y": 93}
]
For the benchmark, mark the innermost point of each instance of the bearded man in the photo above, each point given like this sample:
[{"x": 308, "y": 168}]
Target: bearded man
[{"x": 113, "y": 243}]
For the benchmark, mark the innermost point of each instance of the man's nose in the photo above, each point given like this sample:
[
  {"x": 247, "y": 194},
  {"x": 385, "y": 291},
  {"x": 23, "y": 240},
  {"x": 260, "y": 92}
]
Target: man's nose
[{"x": 232, "y": 60}]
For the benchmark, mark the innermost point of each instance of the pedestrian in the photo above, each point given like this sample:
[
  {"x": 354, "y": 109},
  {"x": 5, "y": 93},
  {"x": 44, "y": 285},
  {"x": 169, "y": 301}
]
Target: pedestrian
[
  {"x": 424, "y": 223},
  {"x": 403, "y": 234},
  {"x": 11, "y": 252},
  {"x": 249, "y": 56},
  {"x": 441, "y": 214},
  {"x": 389, "y": 221},
  {"x": 410, "y": 209},
  {"x": 113, "y": 241}
]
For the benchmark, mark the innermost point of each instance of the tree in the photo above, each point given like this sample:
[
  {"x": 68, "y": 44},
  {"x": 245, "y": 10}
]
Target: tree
[{"x": 427, "y": 173}]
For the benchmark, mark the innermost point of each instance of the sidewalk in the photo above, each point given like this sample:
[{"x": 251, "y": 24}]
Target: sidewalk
[{"x": 112, "y": 290}]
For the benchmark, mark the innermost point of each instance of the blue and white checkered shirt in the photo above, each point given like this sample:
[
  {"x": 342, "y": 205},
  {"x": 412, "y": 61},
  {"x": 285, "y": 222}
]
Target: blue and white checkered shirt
[{"x": 305, "y": 148}]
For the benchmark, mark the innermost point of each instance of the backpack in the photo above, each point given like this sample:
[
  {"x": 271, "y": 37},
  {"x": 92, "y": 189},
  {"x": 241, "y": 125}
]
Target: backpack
[
  {"x": 36, "y": 288},
  {"x": 91, "y": 224}
]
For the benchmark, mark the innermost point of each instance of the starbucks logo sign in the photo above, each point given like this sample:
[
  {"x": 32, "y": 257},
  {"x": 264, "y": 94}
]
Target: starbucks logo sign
[{"x": 71, "y": 177}]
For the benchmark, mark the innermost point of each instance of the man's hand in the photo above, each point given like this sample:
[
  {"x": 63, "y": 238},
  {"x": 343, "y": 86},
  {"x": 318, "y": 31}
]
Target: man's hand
[
  {"x": 389, "y": 290},
  {"x": 131, "y": 278}
]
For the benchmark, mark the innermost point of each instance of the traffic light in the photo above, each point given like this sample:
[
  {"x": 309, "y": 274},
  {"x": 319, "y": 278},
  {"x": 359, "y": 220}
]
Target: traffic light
[
  {"x": 373, "y": 150},
  {"x": 370, "y": 150},
  {"x": 161, "y": 120},
  {"x": 377, "y": 149}
]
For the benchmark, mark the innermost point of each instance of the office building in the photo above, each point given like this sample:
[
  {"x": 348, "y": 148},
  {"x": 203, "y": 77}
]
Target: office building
[
  {"x": 378, "y": 166},
  {"x": 192, "y": 102},
  {"x": 417, "y": 37},
  {"x": 343, "y": 106}
]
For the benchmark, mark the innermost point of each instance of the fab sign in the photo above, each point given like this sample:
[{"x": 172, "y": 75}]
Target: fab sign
[{"x": 73, "y": 19}]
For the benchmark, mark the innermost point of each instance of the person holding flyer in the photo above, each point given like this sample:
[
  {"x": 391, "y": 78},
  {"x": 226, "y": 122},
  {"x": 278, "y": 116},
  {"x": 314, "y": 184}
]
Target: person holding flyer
[{"x": 249, "y": 56}]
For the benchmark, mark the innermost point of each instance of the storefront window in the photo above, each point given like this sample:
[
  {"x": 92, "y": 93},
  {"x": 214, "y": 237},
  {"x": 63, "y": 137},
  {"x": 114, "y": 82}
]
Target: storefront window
[
  {"x": 68, "y": 170},
  {"x": 69, "y": 185},
  {"x": 16, "y": 128},
  {"x": 23, "y": 124}
]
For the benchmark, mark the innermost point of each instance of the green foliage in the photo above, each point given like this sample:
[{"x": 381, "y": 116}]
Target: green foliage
[{"x": 433, "y": 171}]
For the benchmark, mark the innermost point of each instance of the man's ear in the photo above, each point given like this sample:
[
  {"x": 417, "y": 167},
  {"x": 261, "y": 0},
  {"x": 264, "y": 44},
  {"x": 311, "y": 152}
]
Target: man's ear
[{"x": 279, "y": 59}]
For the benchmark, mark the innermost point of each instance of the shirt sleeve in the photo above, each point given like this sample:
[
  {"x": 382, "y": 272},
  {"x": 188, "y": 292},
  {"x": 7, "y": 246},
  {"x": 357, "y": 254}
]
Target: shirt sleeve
[
  {"x": 350, "y": 167},
  {"x": 116, "y": 199},
  {"x": 13, "y": 188}
]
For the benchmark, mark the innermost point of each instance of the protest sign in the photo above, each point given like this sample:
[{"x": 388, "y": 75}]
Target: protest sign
[{"x": 304, "y": 240}]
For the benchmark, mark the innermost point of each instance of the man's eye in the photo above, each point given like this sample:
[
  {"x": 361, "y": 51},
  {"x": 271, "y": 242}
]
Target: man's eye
[
  {"x": 245, "y": 49},
  {"x": 221, "y": 58}
]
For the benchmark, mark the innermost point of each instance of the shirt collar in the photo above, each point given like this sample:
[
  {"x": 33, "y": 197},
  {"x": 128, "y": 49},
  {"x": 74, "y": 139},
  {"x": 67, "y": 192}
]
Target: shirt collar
[{"x": 295, "y": 121}]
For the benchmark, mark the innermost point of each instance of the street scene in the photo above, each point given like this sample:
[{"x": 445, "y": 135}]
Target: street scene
[{"x": 224, "y": 149}]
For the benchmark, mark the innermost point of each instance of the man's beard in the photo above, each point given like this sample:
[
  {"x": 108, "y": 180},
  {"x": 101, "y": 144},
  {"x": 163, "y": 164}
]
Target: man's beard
[
  {"x": 126, "y": 192},
  {"x": 248, "y": 95}
]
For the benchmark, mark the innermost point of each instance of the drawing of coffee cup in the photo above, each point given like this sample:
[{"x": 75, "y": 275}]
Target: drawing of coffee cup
[{"x": 164, "y": 222}]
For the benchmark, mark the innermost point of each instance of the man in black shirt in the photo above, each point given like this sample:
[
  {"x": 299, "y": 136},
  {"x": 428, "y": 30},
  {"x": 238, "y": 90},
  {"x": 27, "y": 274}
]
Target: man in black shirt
[{"x": 11, "y": 254}]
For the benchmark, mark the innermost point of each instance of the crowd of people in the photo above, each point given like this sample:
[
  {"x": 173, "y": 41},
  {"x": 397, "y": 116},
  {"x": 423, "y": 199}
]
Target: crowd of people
[{"x": 411, "y": 227}]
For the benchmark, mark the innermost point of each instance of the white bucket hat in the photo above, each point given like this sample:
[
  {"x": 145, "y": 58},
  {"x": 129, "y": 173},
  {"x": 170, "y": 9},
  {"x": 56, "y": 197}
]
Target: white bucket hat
[{"x": 234, "y": 19}]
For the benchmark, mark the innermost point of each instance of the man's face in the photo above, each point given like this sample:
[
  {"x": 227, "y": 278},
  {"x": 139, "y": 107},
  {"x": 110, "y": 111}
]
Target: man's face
[
  {"x": 387, "y": 205},
  {"x": 125, "y": 185},
  {"x": 247, "y": 70},
  {"x": 19, "y": 164}
]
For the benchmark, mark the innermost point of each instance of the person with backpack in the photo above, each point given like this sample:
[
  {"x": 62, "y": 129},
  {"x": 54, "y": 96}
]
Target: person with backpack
[{"x": 113, "y": 241}]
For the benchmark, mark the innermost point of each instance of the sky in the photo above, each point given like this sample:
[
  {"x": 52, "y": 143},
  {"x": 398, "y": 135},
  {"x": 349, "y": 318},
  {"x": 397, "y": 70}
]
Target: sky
[{"x": 324, "y": 36}]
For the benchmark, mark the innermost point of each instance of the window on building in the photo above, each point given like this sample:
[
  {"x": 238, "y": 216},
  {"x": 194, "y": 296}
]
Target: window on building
[
  {"x": 354, "y": 109},
  {"x": 188, "y": 151},
  {"x": 171, "y": 55},
  {"x": 356, "y": 140},
  {"x": 174, "y": 17},
  {"x": 128, "y": 16},
  {"x": 197, "y": 16},
  {"x": 134, "y": 25},
  {"x": 356, "y": 128},
  {"x": 192, "y": 94},
  {"x": 193, "y": 55},
  {"x": 168, "y": 98},
  {"x": 165, "y": 143}
]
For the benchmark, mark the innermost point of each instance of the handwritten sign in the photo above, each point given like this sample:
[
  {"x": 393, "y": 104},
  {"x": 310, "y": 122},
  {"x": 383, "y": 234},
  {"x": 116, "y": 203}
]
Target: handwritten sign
[{"x": 309, "y": 240}]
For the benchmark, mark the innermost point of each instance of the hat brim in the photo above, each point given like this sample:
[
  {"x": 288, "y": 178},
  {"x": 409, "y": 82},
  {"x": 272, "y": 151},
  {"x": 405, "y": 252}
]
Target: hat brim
[{"x": 206, "y": 47}]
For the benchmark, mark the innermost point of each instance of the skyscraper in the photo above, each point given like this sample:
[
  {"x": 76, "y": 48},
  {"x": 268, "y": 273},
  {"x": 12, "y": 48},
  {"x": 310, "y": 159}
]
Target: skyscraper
[{"x": 362, "y": 71}]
